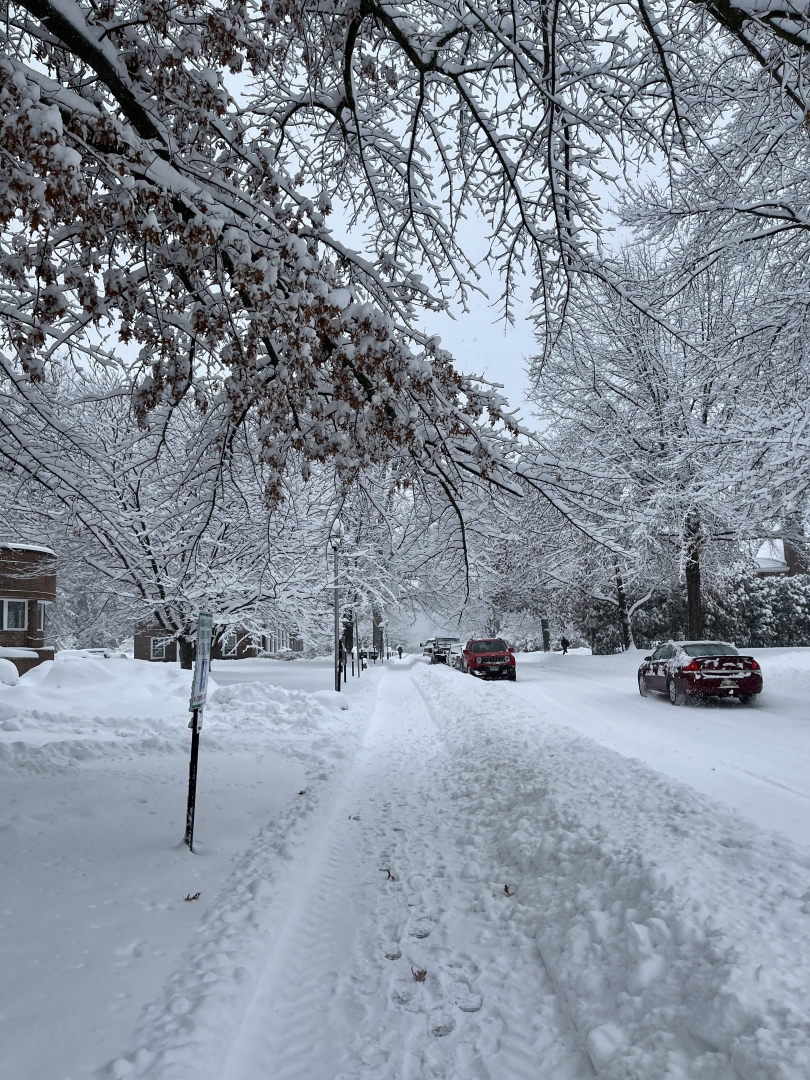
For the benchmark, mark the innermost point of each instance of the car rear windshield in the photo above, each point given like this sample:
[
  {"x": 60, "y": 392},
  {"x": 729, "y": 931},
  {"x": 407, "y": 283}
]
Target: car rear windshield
[
  {"x": 710, "y": 648},
  {"x": 496, "y": 645}
]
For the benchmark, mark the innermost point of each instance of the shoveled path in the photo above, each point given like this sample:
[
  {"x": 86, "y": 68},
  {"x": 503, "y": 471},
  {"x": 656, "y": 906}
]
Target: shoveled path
[{"x": 401, "y": 958}]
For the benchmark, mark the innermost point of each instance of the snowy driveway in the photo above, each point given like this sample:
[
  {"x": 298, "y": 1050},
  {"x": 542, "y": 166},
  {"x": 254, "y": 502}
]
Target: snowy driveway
[{"x": 463, "y": 888}]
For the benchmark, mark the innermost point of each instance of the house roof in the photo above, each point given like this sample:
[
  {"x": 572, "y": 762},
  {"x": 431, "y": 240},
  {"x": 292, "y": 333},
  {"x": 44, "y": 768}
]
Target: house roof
[{"x": 27, "y": 547}]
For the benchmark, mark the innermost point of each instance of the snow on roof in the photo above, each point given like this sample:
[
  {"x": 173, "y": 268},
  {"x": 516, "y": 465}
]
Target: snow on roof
[
  {"x": 771, "y": 557},
  {"x": 27, "y": 547}
]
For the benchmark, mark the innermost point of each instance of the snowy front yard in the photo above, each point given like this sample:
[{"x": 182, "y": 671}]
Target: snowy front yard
[{"x": 447, "y": 879}]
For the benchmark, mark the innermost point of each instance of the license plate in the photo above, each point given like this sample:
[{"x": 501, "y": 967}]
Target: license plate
[{"x": 728, "y": 682}]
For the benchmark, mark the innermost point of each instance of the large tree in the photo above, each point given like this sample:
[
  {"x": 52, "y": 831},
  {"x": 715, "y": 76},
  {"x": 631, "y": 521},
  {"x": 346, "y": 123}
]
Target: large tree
[{"x": 167, "y": 171}]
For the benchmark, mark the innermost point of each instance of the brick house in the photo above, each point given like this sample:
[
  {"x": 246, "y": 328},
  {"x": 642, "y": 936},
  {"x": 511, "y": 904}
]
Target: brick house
[
  {"x": 27, "y": 588},
  {"x": 153, "y": 643}
]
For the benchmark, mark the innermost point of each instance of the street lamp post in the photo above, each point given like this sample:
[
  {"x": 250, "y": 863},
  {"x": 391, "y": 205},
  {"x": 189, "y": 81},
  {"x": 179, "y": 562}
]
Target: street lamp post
[
  {"x": 337, "y": 625},
  {"x": 337, "y": 542}
]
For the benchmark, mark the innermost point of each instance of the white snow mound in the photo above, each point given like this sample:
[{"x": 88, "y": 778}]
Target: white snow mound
[{"x": 8, "y": 673}]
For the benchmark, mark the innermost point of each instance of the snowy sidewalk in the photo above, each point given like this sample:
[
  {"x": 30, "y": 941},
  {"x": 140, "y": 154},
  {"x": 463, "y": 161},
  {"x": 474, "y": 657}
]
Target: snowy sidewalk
[{"x": 400, "y": 960}]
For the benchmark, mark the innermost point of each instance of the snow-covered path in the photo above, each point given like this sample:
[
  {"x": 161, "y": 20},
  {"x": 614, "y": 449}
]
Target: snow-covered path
[{"x": 389, "y": 892}]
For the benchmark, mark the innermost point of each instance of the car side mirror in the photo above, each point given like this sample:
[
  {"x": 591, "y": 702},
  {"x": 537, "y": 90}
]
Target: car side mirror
[
  {"x": 647, "y": 658},
  {"x": 421, "y": 644},
  {"x": 510, "y": 649}
]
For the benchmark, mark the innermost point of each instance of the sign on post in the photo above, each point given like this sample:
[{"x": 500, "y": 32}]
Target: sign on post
[
  {"x": 199, "y": 690},
  {"x": 202, "y": 664}
]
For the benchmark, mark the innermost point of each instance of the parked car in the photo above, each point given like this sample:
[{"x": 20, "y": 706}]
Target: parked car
[
  {"x": 427, "y": 647},
  {"x": 489, "y": 658},
  {"x": 684, "y": 669},
  {"x": 443, "y": 649}
]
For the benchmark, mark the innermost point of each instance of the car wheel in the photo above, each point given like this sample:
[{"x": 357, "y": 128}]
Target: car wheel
[
  {"x": 676, "y": 696},
  {"x": 747, "y": 699},
  {"x": 642, "y": 686},
  {"x": 512, "y": 676}
]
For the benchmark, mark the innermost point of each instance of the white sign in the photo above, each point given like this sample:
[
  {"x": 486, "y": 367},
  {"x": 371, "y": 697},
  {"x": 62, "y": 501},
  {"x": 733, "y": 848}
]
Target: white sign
[{"x": 202, "y": 665}]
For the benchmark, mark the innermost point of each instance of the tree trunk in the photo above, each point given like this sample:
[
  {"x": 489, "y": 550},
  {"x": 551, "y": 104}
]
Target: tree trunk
[
  {"x": 185, "y": 649},
  {"x": 546, "y": 635},
  {"x": 624, "y": 615},
  {"x": 694, "y": 604},
  {"x": 376, "y": 630}
]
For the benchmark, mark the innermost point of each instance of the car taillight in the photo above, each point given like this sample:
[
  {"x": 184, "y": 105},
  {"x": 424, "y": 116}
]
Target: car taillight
[
  {"x": 694, "y": 666},
  {"x": 754, "y": 665}
]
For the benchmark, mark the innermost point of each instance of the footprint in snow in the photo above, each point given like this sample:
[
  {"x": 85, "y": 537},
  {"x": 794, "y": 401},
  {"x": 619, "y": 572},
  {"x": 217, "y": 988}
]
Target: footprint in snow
[
  {"x": 420, "y": 931},
  {"x": 441, "y": 1022},
  {"x": 469, "y": 1001}
]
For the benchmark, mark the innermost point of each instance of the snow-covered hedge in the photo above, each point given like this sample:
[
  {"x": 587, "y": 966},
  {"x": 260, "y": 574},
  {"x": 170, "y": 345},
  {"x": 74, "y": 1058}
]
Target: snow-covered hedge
[{"x": 753, "y": 612}]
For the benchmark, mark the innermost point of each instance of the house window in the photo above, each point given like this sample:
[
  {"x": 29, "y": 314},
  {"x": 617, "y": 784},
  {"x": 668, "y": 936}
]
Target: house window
[
  {"x": 229, "y": 643},
  {"x": 15, "y": 614},
  {"x": 157, "y": 650},
  {"x": 42, "y": 607}
]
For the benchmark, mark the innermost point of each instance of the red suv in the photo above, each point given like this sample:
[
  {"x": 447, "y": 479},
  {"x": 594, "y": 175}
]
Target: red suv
[
  {"x": 489, "y": 658},
  {"x": 683, "y": 669}
]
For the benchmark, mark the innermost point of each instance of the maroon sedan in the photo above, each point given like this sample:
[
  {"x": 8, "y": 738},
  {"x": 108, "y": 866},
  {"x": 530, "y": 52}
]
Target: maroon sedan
[
  {"x": 684, "y": 669},
  {"x": 489, "y": 658}
]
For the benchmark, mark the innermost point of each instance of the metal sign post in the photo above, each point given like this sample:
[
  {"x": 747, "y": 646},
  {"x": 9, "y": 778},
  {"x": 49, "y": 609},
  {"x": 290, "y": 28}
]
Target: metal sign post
[{"x": 199, "y": 691}]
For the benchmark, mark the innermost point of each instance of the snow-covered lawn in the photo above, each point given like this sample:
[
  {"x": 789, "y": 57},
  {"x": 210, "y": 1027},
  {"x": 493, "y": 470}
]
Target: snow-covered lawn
[{"x": 447, "y": 880}]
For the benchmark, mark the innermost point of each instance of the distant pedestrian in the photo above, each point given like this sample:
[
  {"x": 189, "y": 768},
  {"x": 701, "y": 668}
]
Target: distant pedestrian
[
  {"x": 399, "y": 650},
  {"x": 564, "y": 642}
]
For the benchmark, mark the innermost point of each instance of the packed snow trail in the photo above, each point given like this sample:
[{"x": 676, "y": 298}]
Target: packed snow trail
[{"x": 401, "y": 959}]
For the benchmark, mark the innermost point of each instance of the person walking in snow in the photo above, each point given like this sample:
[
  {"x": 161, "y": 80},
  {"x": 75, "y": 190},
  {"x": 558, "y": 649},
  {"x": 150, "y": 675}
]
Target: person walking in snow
[
  {"x": 564, "y": 642},
  {"x": 399, "y": 650}
]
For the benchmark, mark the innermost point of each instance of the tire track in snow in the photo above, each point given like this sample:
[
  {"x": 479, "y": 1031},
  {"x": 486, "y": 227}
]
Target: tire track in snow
[{"x": 291, "y": 1027}]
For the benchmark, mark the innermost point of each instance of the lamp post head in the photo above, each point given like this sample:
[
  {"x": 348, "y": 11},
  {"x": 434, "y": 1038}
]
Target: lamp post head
[{"x": 337, "y": 535}]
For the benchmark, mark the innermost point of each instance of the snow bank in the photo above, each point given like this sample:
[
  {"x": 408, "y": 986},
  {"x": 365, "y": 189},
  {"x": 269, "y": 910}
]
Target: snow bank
[
  {"x": 677, "y": 935},
  {"x": 8, "y": 673},
  {"x": 76, "y": 685},
  {"x": 83, "y": 709}
]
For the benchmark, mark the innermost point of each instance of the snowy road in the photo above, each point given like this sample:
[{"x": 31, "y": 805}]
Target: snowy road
[
  {"x": 755, "y": 760},
  {"x": 445, "y": 882}
]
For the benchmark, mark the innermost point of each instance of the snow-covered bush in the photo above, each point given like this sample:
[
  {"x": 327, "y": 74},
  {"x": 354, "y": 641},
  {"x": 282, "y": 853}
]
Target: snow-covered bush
[{"x": 750, "y": 611}]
